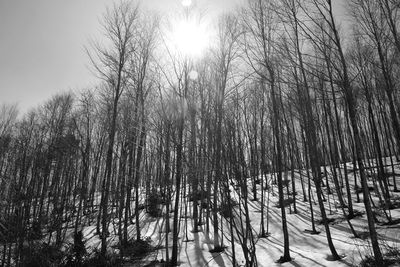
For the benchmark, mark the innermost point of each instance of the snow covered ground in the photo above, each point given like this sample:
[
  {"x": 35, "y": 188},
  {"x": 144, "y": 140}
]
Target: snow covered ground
[{"x": 306, "y": 249}]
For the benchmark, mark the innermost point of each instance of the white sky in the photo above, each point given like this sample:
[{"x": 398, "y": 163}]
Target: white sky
[{"x": 42, "y": 44}]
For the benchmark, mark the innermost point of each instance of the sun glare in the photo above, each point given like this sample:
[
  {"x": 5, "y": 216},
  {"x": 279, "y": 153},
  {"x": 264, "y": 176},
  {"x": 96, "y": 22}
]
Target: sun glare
[
  {"x": 186, "y": 3},
  {"x": 190, "y": 38}
]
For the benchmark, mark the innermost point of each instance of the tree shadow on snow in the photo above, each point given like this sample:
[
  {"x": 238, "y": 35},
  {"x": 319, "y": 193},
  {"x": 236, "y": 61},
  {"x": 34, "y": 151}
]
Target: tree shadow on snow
[{"x": 199, "y": 257}]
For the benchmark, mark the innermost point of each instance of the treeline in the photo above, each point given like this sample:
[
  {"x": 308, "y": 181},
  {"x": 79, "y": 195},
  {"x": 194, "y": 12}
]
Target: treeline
[{"x": 282, "y": 96}]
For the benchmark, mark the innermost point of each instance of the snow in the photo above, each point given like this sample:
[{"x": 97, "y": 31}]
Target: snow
[{"x": 306, "y": 249}]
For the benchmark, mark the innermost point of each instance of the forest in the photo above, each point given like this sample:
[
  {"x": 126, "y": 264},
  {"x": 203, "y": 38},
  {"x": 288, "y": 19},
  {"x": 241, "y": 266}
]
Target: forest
[{"x": 277, "y": 144}]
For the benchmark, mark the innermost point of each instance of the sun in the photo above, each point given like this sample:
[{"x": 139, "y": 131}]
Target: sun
[
  {"x": 186, "y": 3},
  {"x": 190, "y": 37}
]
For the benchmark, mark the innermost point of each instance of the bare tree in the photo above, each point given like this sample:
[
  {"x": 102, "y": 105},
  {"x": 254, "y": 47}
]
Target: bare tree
[
  {"x": 111, "y": 64},
  {"x": 261, "y": 26}
]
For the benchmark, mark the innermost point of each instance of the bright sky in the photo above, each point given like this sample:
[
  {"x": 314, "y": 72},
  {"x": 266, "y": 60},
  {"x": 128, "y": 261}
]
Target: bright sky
[{"x": 42, "y": 44}]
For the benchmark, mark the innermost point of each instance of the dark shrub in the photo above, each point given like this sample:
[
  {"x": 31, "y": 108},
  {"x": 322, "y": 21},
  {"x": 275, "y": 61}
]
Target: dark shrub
[
  {"x": 35, "y": 231},
  {"x": 41, "y": 255},
  {"x": 137, "y": 248},
  {"x": 153, "y": 201},
  {"x": 98, "y": 260},
  {"x": 77, "y": 251},
  {"x": 286, "y": 202}
]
